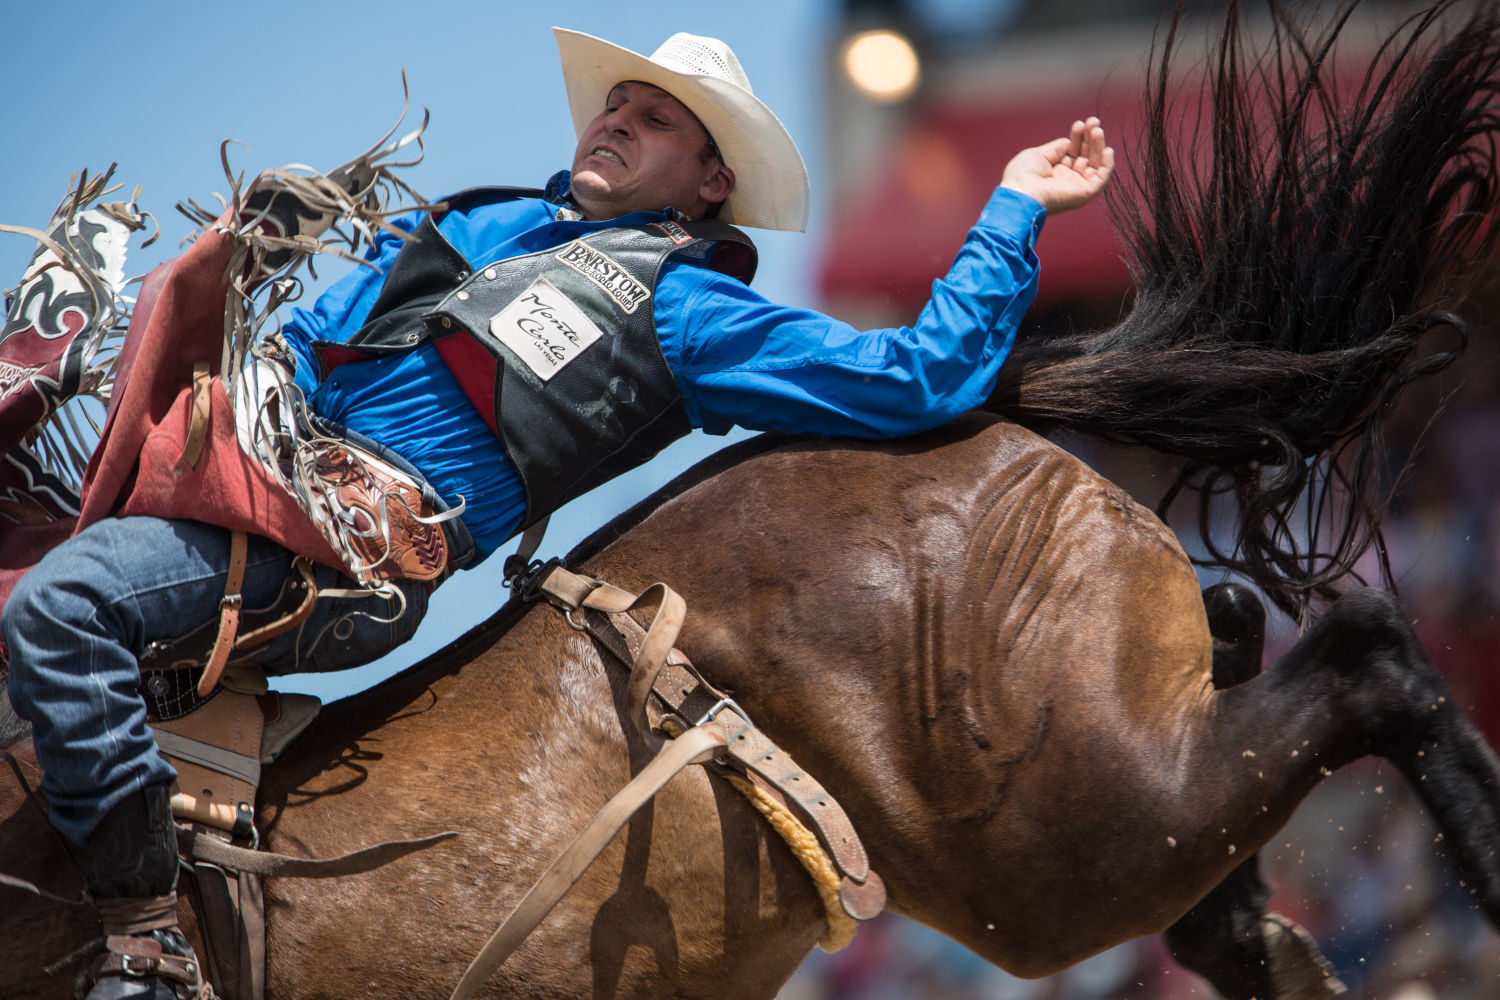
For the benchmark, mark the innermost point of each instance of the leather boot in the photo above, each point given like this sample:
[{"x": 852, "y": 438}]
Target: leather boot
[{"x": 131, "y": 877}]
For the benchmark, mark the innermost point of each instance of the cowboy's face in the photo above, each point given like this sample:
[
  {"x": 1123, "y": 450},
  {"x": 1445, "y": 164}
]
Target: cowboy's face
[{"x": 644, "y": 153}]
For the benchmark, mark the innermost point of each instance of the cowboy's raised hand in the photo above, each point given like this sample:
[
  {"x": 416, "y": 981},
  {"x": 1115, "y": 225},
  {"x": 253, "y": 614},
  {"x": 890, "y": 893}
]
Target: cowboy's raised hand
[{"x": 1064, "y": 173}]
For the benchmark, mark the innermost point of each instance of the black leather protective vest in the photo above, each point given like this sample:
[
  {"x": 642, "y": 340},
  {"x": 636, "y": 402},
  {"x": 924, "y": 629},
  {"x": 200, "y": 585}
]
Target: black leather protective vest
[{"x": 556, "y": 349}]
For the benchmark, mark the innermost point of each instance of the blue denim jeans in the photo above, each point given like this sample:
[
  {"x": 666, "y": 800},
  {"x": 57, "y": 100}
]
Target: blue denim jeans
[{"x": 77, "y": 621}]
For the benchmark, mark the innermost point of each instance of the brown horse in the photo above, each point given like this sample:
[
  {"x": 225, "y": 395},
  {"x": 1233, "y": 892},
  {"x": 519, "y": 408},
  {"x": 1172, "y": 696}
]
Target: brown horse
[
  {"x": 1000, "y": 665},
  {"x": 1002, "y": 669}
]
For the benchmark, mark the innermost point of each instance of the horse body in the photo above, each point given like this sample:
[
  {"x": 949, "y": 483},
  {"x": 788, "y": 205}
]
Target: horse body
[
  {"x": 935, "y": 679},
  {"x": 883, "y": 657},
  {"x": 1004, "y": 675},
  {"x": 1010, "y": 691},
  {"x": 1010, "y": 694},
  {"x": 958, "y": 671}
]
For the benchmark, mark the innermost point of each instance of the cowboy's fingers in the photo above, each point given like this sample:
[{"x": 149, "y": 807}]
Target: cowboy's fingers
[
  {"x": 1078, "y": 134},
  {"x": 1058, "y": 150},
  {"x": 1102, "y": 164},
  {"x": 1083, "y": 134},
  {"x": 1096, "y": 142}
]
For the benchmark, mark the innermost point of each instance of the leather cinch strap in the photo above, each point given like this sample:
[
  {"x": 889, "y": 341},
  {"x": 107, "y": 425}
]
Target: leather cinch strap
[
  {"x": 695, "y": 746},
  {"x": 661, "y": 673},
  {"x": 711, "y": 727}
]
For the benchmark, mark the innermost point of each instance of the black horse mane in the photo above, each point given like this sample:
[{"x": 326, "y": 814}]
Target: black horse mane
[{"x": 1288, "y": 266}]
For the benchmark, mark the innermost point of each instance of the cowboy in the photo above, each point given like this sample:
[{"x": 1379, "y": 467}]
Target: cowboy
[{"x": 529, "y": 345}]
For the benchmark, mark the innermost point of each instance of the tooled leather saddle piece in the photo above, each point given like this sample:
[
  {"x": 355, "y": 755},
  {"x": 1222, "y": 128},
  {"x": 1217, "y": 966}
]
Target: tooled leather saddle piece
[{"x": 381, "y": 517}]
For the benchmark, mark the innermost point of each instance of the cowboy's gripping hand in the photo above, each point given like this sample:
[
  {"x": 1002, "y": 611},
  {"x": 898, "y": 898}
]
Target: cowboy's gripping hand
[{"x": 1064, "y": 173}]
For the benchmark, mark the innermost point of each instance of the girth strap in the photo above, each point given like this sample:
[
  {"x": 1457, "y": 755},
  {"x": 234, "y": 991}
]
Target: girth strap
[
  {"x": 652, "y": 647},
  {"x": 693, "y": 747},
  {"x": 660, "y": 671}
]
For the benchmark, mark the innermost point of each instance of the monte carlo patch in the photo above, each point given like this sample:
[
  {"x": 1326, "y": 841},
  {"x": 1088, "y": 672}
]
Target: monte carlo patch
[
  {"x": 544, "y": 329},
  {"x": 599, "y": 268}
]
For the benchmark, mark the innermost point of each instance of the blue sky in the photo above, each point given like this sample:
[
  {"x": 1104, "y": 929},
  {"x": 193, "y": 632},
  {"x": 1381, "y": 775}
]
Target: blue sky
[{"x": 156, "y": 86}]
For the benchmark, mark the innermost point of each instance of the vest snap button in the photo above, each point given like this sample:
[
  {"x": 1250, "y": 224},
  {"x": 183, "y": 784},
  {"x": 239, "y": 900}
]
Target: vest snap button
[
  {"x": 491, "y": 274},
  {"x": 411, "y": 338},
  {"x": 446, "y": 322},
  {"x": 463, "y": 296}
]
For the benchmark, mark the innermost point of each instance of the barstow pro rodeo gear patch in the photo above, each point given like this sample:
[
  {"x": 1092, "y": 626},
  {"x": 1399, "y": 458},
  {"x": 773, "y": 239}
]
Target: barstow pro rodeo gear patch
[{"x": 597, "y": 266}]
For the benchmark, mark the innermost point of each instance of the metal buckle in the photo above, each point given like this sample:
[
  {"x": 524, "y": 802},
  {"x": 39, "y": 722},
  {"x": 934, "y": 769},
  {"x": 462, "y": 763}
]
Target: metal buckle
[
  {"x": 147, "y": 966},
  {"x": 527, "y": 583},
  {"x": 729, "y": 703},
  {"x": 515, "y": 570},
  {"x": 244, "y": 825},
  {"x": 575, "y": 624}
]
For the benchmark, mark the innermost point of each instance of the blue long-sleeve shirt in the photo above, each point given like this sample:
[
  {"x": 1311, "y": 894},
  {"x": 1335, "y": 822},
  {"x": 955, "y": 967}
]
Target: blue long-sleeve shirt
[{"x": 739, "y": 359}]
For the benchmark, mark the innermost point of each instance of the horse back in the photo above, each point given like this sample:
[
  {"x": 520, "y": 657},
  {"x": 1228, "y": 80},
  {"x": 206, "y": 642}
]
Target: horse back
[{"x": 979, "y": 554}]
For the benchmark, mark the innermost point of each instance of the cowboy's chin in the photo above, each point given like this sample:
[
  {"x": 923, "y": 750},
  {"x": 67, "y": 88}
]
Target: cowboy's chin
[{"x": 591, "y": 188}]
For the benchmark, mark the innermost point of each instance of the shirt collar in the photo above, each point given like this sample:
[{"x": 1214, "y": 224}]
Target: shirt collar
[{"x": 558, "y": 195}]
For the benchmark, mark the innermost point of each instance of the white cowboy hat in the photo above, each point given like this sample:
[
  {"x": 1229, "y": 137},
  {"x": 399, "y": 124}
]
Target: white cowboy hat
[{"x": 770, "y": 180}]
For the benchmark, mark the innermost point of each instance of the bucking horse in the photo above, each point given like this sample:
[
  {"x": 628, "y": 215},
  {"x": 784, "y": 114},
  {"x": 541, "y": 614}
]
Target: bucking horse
[{"x": 1047, "y": 736}]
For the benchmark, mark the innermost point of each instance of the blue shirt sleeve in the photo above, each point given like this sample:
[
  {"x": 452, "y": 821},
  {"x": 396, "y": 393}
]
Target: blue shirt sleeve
[{"x": 742, "y": 360}]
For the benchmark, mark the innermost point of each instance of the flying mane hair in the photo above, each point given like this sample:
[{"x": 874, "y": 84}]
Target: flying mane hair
[{"x": 1289, "y": 266}]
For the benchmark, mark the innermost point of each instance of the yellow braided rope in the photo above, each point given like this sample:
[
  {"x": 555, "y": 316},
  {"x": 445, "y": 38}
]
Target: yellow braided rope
[{"x": 804, "y": 844}]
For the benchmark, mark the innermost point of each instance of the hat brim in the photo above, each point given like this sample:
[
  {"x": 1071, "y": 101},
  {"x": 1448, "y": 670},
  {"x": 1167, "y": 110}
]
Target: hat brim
[{"x": 771, "y": 189}]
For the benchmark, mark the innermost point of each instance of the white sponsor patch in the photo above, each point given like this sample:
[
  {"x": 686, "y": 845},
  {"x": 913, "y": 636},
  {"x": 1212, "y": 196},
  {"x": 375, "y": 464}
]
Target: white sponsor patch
[
  {"x": 544, "y": 328},
  {"x": 602, "y": 270}
]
